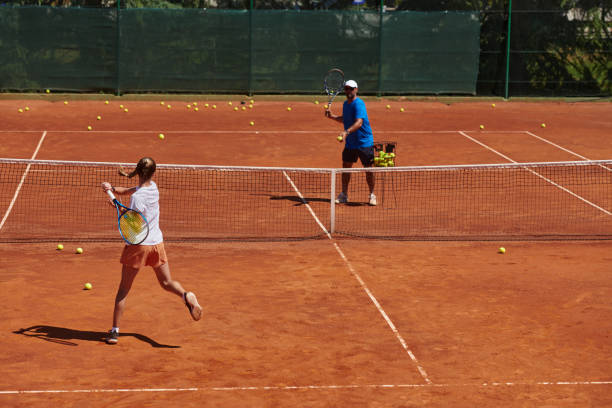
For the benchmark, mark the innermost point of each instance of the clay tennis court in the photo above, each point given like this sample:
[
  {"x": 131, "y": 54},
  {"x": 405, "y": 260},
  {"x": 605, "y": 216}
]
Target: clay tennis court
[{"x": 336, "y": 322}]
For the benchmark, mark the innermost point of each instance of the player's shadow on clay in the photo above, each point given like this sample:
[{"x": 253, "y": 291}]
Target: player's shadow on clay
[
  {"x": 299, "y": 201},
  {"x": 62, "y": 335}
]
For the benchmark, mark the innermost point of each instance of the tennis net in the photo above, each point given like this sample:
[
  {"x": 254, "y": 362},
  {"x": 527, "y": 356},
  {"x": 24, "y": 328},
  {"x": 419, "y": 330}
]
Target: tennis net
[{"x": 63, "y": 201}]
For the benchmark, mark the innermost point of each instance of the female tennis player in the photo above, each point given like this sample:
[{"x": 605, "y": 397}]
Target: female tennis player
[{"x": 151, "y": 252}]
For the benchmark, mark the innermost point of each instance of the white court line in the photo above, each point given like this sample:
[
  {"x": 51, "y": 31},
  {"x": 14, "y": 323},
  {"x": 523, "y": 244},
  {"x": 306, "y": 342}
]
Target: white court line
[
  {"x": 364, "y": 286},
  {"x": 256, "y": 131},
  {"x": 23, "y": 177},
  {"x": 315, "y": 387},
  {"x": 539, "y": 175}
]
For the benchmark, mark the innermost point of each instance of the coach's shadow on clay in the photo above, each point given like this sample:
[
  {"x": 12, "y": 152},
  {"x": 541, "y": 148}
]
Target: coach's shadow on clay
[{"x": 62, "y": 335}]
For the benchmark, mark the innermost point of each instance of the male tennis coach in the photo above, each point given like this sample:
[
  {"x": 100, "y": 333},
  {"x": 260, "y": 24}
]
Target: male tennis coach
[{"x": 358, "y": 137}]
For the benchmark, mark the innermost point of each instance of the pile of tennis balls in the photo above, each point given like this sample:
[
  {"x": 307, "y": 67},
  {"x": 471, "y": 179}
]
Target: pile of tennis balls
[{"x": 384, "y": 159}]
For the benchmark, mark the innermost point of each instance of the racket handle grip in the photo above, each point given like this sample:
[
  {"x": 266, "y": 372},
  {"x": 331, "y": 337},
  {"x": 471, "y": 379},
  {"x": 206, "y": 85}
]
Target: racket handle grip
[{"x": 110, "y": 194}]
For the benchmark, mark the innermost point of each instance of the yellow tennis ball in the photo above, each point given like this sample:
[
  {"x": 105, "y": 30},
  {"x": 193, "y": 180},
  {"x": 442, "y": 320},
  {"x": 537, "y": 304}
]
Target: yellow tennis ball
[
  {"x": 230, "y": 103},
  {"x": 79, "y": 250},
  {"x": 27, "y": 109},
  {"x": 188, "y": 106},
  {"x": 493, "y": 105},
  {"x": 60, "y": 247},
  {"x": 339, "y": 138},
  {"x": 235, "y": 108},
  {"x": 88, "y": 286},
  {"x": 289, "y": 108},
  {"x": 250, "y": 106},
  {"x": 252, "y": 101},
  {"x": 120, "y": 106},
  {"x": 482, "y": 126},
  {"x": 89, "y": 128},
  {"x": 168, "y": 106},
  {"x": 195, "y": 104},
  {"x": 65, "y": 102},
  {"x": 161, "y": 136},
  {"x": 401, "y": 109},
  {"x": 214, "y": 106},
  {"x": 196, "y": 109},
  {"x": 543, "y": 125},
  {"x": 502, "y": 250},
  {"x": 316, "y": 102},
  {"x": 252, "y": 123},
  {"x": 99, "y": 117},
  {"x": 106, "y": 102},
  {"x": 244, "y": 108},
  {"x": 125, "y": 110},
  {"x": 20, "y": 110},
  {"x": 206, "y": 105},
  {"x": 388, "y": 106},
  {"x": 161, "y": 103},
  {"x": 47, "y": 91},
  {"x": 326, "y": 107}
]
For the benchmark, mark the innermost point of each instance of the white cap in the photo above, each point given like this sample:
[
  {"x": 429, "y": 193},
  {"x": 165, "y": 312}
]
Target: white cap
[{"x": 351, "y": 83}]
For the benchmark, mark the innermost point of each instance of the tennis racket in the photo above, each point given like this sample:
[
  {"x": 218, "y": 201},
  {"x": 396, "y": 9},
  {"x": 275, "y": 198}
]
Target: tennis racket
[
  {"x": 333, "y": 84},
  {"x": 133, "y": 226}
]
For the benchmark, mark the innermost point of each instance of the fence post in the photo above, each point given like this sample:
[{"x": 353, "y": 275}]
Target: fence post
[
  {"x": 118, "y": 90},
  {"x": 380, "y": 47},
  {"x": 508, "y": 48},
  {"x": 250, "y": 92}
]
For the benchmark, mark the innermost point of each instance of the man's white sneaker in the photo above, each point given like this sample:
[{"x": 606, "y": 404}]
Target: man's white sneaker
[
  {"x": 342, "y": 198},
  {"x": 372, "y": 199}
]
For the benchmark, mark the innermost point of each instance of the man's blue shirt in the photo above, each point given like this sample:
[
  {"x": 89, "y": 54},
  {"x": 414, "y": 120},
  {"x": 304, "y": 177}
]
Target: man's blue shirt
[{"x": 363, "y": 136}]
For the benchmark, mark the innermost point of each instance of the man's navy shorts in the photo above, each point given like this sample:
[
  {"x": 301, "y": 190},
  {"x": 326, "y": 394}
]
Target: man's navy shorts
[{"x": 365, "y": 154}]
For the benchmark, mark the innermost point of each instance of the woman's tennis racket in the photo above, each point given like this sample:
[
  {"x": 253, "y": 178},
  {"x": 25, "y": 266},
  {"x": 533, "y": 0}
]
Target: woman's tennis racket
[
  {"x": 333, "y": 84},
  {"x": 133, "y": 226}
]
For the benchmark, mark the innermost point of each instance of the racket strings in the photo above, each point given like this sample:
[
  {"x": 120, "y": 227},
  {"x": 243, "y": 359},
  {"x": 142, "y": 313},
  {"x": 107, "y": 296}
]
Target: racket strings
[
  {"x": 334, "y": 82},
  {"x": 133, "y": 227}
]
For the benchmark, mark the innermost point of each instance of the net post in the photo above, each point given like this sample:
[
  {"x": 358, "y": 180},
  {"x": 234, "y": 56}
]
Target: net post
[
  {"x": 508, "y": 49},
  {"x": 250, "y": 90},
  {"x": 118, "y": 90},
  {"x": 332, "y": 201}
]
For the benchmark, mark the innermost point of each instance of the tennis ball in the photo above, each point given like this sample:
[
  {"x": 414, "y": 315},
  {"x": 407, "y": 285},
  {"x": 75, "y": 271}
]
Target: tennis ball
[
  {"x": 125, "y": 110},
  {"x": 401, "y": 109},
  {"x": 88, "y": 286},
  {"x": 89, "y": 128},
  {"x": 289, "y": 108},
  {"x": 206, "y": 105},
  {"x": 79, "y": 250},
  {"x": 250, "y": 106},
  {"x": 252, "y": 101},
  {"x": 235, "y": 108},
  {"x": 60, "y": 247},
  {"x": 99, "y": 117},
  {"x": 543, "y": 125},
  {"x": 196, "y": 109},
  {"x": 230, "y": 103},
  {"x": 502, "y": 250},
  {"x": 195, "y": 104},
  {"x": 482, "y": 126},
  {"x": 27, "y": 109},
  {"x": 326, "y": 107},
  {"x": 388, "y": 106},
  {"x": 106, "y": 102},
  {"x": 244, "y": 108},
  {"x": 214, "y": 106},
  {"x": 316, "y": 102},
  {"x": 47, "y": 91},
  {"x": 168, "y": 106},
  {"x": 120, "y": 106},
  {"x": 252, "y": 123},
  {"x": 161, "y": 136},
  {"x": 65, "y": 102},
  {"x": 20, "y": 110},
  {"x": 161, "y": 103},
  {"x": 340, "y": 138},
  {"x": 381, "y": 154},
  {"x": 188, "y": 106},
  {"x": 493, "y": 105}
]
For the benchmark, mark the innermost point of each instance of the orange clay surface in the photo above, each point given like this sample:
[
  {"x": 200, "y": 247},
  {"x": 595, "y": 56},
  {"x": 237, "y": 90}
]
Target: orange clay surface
[{"x": 323, "y": 323}]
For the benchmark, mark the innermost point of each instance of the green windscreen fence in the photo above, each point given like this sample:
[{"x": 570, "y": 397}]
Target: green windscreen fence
[{"x": 213, "y": 50}]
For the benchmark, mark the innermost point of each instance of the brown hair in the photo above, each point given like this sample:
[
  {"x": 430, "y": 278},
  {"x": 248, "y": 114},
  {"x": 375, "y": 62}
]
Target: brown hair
[{"x": 145, "y": 169}]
